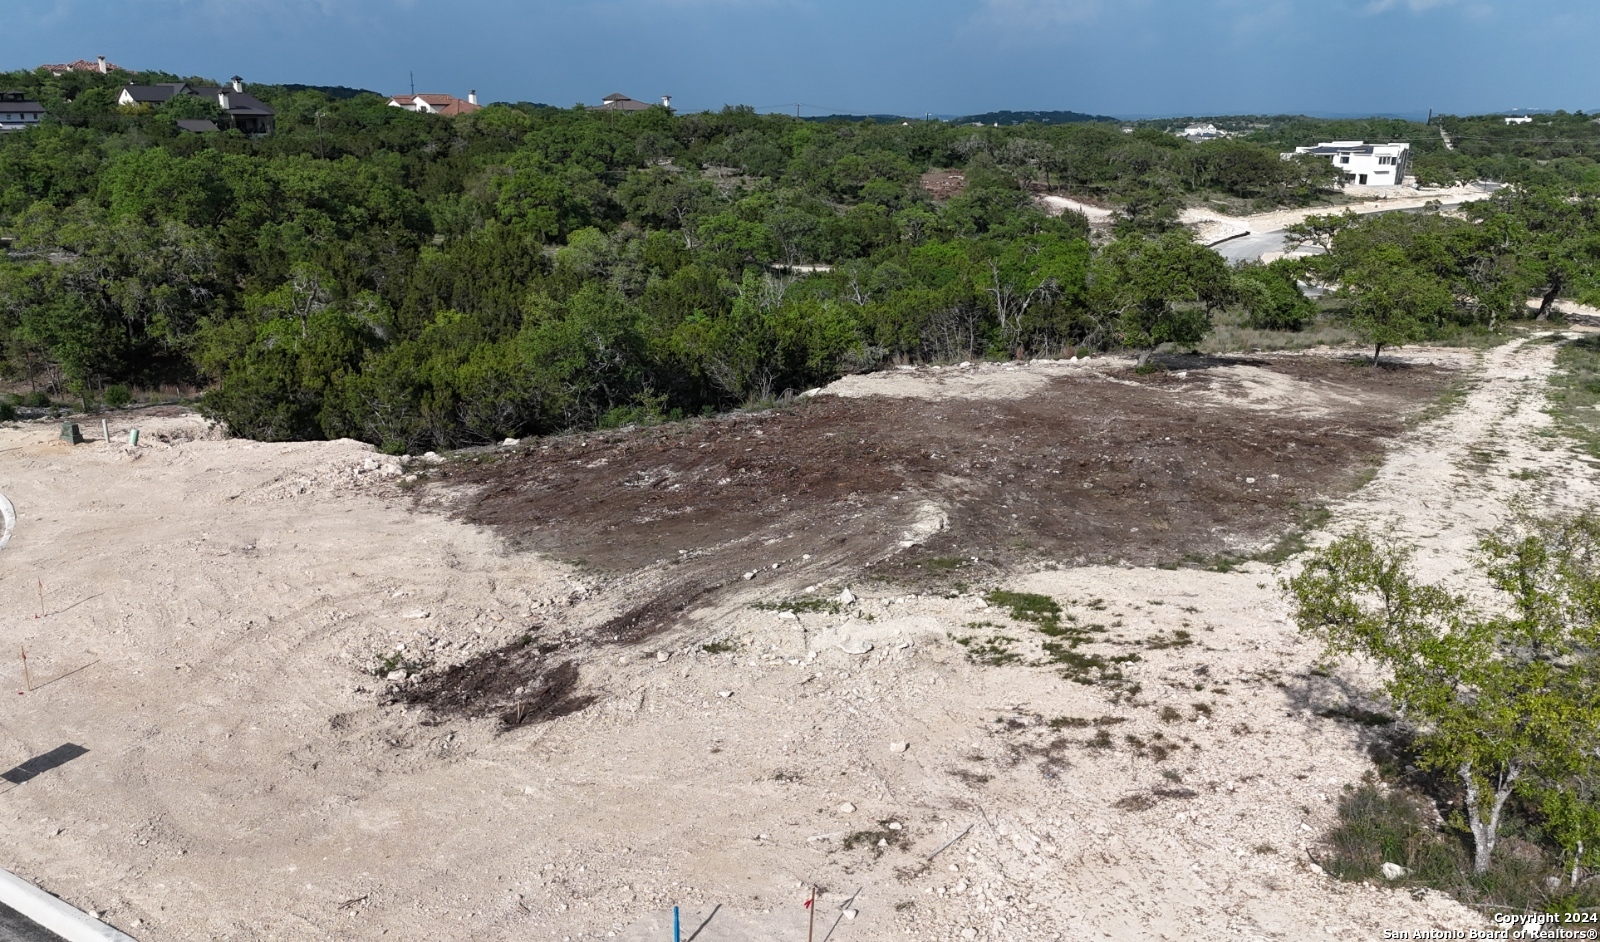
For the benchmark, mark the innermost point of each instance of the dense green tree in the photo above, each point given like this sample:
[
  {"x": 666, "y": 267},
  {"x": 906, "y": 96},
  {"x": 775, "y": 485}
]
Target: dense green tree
[
  {"x": 1164, "y": 289},
  {"x": 1502, "y": 697}
]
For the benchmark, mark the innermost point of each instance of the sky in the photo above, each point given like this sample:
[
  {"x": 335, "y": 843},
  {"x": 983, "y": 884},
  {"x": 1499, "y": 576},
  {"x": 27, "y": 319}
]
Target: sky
[{"x": 1128, "y": 58}]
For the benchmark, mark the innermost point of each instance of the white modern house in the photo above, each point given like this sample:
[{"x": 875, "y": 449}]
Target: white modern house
[
  {"x": 1365, "y": 164},
  {"x": 1202, "y": 132},
  {"x": 1519, "y": 119}
]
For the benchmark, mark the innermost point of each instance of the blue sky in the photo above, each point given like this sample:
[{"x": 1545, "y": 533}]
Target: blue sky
[{"x": 1121, "y": 57}]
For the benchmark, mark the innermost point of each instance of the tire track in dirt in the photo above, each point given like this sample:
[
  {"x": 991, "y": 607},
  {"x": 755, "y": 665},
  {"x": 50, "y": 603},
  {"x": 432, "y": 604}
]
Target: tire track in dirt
[{"x": 1466, "y": 472}]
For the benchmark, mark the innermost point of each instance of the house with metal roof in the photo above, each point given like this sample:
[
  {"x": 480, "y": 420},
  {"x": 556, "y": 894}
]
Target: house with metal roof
[
  {"x": 1365, "y": 164},
  {"x": 17, "y": 113},
  {"x": 431, "y": 103},
  {"x": 621, "y": 102},
  {"x": 240, "y": 110}
]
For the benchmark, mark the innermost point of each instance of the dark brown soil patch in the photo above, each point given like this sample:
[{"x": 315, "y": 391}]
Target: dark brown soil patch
[
  {"x": 1143, "y": 469},
  {"x": 520, "y": 683}
]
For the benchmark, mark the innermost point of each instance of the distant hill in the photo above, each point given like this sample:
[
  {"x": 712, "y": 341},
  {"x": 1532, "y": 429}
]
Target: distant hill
[
  {"x": 1031, "y": 117},
  {"x": 336, "y": 92},
  {"x": 875, "y": 118}
]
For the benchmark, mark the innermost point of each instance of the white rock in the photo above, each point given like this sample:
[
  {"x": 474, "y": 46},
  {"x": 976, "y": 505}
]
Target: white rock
[
  {"x": 811, "y": 392},
  {"x": 1249, "y": 480},
  {"x": 749, "y": 575},
  {"x": 847, "y": 808},
  {"x": 419, "y": 613},
  {"x": 1393, "y": 871},
  {"x": 847, "y": 597},
  {"x": 724, "y": 694},
  {"x": 965, "y": 363},
  {"x": 969, "y": 933},
  {"x": 856, "y": 647},
  {"x": 895, "y": 825},
  {"x": 849, "y": 914},
  {"x": 662, "y": 655},
  {"x": 788, "y": 616},
  {"x": 899, "y": 746},
  {"x": 396, "y": 675}
]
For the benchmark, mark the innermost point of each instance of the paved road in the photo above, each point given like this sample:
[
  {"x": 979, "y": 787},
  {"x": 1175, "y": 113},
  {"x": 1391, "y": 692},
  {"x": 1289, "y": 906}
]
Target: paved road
[
  {"x": 15, "y": 927},
  {"x": 1251, "y": 247}
]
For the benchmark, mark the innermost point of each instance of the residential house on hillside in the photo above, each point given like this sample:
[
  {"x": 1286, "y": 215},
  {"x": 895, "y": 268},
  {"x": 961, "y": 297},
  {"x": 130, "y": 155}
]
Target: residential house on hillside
[
  {"x": 428, "y": 103},
  {"x": 1202, "y": 132},
  {"x": 620, "y": 102},
  {"x": 17, "y": 113},
  {"x": 1519, "y": 119},
  {"x": 84, "y": 65},
  {"x": 240, "y": 110},
  {"x": 1365, "y": 164}
]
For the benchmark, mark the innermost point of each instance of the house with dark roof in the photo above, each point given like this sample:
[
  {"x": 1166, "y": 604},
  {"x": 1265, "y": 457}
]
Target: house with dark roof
[
  {"x": 17, "y": 113},
  {"x": 620, "y": 102},
  {"x": 240, "y": 110},
  {"x": 432, "y": 103}
]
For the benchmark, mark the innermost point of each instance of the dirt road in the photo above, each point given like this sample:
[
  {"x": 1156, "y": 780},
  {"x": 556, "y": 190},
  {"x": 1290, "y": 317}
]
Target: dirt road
[{"x": 219, "y": 619}]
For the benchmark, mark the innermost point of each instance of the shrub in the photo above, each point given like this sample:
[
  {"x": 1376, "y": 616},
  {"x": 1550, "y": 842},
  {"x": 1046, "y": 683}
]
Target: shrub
[{"x": 117, "y": 396}]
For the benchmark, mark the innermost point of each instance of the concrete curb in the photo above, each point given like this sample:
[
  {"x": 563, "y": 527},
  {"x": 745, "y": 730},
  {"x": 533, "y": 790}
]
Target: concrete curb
[
  {"x": 8, "y": 520},
  {"x": 51, "y": 913}
]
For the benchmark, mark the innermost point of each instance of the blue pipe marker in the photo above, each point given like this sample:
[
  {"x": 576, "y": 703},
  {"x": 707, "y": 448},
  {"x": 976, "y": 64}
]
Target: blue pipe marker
[{"x": 677, "y": 933}]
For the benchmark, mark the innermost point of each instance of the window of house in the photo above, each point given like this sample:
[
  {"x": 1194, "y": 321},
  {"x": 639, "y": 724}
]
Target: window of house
[{"x": 1344, "y": 158}]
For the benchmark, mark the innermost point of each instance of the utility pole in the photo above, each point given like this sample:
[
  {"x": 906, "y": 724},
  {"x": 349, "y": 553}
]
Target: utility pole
[{"x": 413, "y": 83}]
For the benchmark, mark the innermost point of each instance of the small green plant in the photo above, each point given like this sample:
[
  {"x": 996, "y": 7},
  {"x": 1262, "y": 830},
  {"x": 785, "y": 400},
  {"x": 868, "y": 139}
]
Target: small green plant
[
  {"x": 1178, "y": 639},
  {"x": 719, "y": 646},
  {"x": 117, "y": 396},
  {"x": 1170, "y": 714},
  {"x": 808, "y": 605},
  {"x": 8, "y": 412},
  {"x": 993, "y": 651},
  {"x": 36, "y": 400}
]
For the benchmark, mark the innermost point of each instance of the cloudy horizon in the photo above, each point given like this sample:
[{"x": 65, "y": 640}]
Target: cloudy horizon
[{"x": 1129, "y": 58}]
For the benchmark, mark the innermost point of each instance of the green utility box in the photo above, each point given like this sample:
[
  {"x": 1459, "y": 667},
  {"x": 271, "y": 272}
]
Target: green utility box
[{"x": 70, "y": 433}]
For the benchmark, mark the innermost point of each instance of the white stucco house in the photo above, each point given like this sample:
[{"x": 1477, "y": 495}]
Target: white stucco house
[
  {"x": 430, "y": 103},
  {"x": 1519, "y": 119},
  {"x": 1365, "y": 164}
]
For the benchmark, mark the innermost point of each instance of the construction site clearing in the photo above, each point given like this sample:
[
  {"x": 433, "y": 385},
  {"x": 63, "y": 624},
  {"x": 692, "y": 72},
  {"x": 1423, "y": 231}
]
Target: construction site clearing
[{"x": 549, "y": 690}]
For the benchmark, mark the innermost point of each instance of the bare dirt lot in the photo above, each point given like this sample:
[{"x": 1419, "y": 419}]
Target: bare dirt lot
[
  {"x": 529, "y": 693},
  {"x": 1076, "y": 463}
]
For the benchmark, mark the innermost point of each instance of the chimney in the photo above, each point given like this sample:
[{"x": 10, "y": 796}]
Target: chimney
[
  {"x": 238, "y": 84},
  {"x": 102, "y": 64},
  {"x": 666, "y": 101},
  {"x": 472, "y": 97}
]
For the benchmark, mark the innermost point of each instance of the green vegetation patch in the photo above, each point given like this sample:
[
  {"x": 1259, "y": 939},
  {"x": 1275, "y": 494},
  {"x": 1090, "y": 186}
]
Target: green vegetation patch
[{"x": 1575, "y": 392}]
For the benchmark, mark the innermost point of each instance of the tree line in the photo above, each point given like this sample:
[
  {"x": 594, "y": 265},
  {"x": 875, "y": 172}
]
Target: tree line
[{"x": 420, "y": 282}]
